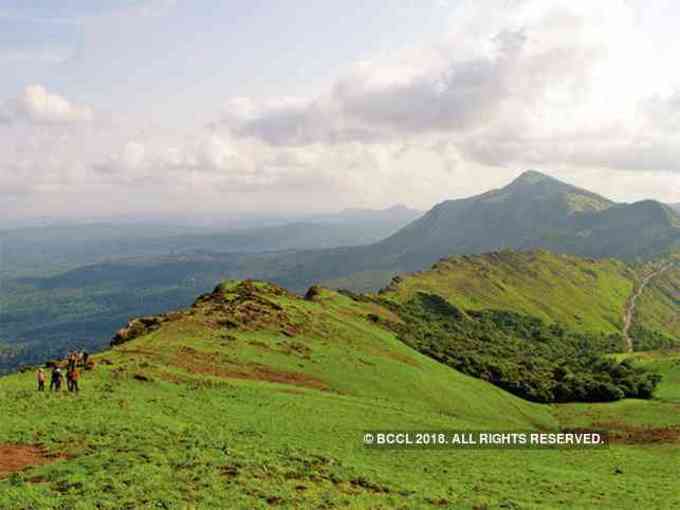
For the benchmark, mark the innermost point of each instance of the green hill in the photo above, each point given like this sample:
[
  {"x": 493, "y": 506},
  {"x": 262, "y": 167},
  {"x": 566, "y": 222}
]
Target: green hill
[
  {"x": 658, "y": 308},
  {"x": 587, "y": 295},
  {"x": 257, "y": 398}
]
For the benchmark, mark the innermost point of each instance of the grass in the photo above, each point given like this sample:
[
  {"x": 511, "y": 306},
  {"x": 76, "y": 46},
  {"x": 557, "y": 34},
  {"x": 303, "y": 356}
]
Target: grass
[
  {"x": 246, "y": 445},
  {"x": 582, "y": 294},
  {"x": 270, "y": 411},
  {"x": 636, "y": 420},
  {"x": 658, "y": 306}
]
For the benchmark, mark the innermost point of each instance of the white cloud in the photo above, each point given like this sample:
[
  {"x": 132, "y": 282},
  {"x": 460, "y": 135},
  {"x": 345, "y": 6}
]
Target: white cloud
[
  {"x": 39, "y": 106},
  {"x": 543, "y": 83},
  {"x": 380, "y": 102},
  {"x": 571, "y": 88}
]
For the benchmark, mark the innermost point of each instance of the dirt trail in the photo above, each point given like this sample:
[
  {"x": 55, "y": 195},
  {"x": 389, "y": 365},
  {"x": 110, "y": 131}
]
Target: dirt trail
[
  {"x": 15, "y": 458},
  {"x": 632, "y": 302}
]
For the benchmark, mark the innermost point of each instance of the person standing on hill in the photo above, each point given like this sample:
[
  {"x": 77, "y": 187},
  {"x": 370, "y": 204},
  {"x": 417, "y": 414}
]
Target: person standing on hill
[
  {"x": 56, "y": 380},
  {"x": 73, "y": 377},
  {"x": 86, "y": 358},
  {"x": 72, "y": 360},
  {"x": 40, "y": 375}
]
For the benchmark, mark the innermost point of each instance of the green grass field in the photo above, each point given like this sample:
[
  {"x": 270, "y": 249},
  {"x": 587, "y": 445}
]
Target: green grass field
[{"x": 256, "y": 398}]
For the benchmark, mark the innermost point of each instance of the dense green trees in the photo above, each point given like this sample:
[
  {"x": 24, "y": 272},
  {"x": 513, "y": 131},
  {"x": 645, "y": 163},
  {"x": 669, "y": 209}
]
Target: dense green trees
[{"x": 525, "y": 356}]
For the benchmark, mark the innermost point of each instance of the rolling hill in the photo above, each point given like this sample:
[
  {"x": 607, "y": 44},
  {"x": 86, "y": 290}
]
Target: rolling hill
[
  {"x": 582, "y": 294},
  {"x": 257, "y": 398},
  {"x": 658, "y": 308},
  {"x": 586, "y": 295}
]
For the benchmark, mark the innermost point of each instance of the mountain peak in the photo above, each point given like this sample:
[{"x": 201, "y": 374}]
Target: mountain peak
[
  {"x": 533, "y": 176},
  {"x": 566, "y": 198}
]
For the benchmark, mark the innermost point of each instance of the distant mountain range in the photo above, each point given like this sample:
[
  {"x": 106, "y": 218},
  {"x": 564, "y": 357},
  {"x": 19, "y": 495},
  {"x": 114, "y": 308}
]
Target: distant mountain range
[
  {"x": 395, "y": 214},
  {"x": 49, "y": 249},
  {"x": 676, "y": 207},
  {"x": 534, "y": 211}
]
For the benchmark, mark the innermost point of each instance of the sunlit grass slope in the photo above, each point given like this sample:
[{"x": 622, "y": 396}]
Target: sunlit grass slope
[
  {"x": 659, "y": 306},
  {"x": 583, "y": 294},
  {"x": 260, "y": 332},
  {"x": 257, "y": 398}
]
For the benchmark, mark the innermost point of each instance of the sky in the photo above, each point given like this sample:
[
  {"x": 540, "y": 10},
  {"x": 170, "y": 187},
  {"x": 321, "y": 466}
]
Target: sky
[{"x": 160, "y": 107}]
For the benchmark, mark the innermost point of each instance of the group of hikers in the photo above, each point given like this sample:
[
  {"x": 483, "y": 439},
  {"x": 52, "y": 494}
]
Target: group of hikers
[{"x": 57, "y": 376}]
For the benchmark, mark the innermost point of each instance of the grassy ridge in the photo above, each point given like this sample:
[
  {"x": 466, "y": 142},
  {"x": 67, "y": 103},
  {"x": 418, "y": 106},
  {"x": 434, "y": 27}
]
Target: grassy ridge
[
  {"x": 582, "y": 294},
  {"x": 534, "y": 211}
]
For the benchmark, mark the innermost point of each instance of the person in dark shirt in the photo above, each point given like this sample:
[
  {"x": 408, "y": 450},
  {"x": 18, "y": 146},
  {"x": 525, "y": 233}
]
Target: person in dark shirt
[{"x": 56, "y": 380}]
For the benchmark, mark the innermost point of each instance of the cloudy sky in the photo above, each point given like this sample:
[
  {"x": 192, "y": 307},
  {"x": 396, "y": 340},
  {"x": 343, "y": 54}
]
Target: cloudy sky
[{"x": 157, "y": 107}]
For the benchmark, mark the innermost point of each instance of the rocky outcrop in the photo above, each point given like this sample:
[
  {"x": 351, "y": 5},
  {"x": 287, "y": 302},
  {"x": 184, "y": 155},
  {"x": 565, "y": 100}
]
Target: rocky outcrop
[
  {"x": 247, "y": 305},
  {"x": 313, "y": 293},
  {"x": 142, "y": 326}
]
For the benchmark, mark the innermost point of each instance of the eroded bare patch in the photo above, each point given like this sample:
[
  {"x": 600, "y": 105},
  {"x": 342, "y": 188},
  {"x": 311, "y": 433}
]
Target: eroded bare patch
[
  {"x": 620, "y": 432},
  {"x": 17, "y": 457},
  {"x": 197, "y": 362}
]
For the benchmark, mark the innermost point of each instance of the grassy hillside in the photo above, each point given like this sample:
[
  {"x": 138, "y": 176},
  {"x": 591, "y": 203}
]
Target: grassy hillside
[
  {"x": 586, "y": 295},
  {"x": 257, "y": 398},
  {"x": 583, "y": 294},
  {"x": 659, "y": 306}
]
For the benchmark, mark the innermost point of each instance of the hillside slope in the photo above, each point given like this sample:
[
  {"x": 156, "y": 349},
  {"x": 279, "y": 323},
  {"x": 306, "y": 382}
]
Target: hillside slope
[
  {"x": 658, "y": 308},
  {"x": 583, "y": 294},
  {"x": 587, "y": 295},
  {"x": 257, "y": 398},
  {"x": 250, "y": 394}
]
